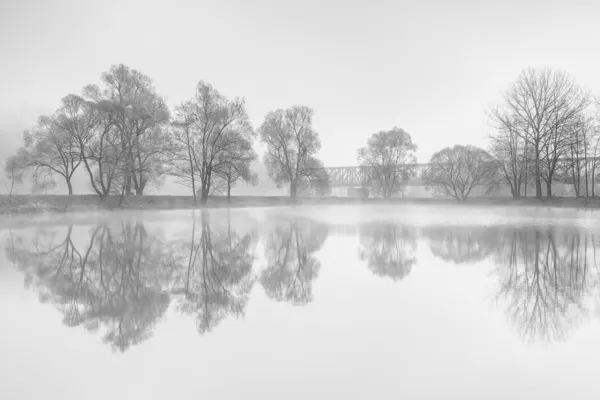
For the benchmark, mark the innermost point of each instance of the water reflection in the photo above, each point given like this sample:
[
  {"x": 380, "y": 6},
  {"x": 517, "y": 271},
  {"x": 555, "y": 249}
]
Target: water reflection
[
  {"x": 120, "y": 279},
  {"x": 291, "y": 264},
  {"x": 547, "y": 278},
  {"x": 389, "y": 249},
  {"x": 210, "y": 273},
  {"x": 113, "y": 280},
  {"x": 461, "y": 244}
]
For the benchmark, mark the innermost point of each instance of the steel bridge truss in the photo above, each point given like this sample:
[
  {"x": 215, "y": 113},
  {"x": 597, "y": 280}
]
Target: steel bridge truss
[{"x": 362, "y": 176}]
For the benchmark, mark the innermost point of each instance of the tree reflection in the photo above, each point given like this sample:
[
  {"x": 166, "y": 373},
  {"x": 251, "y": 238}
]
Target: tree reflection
[
  {"x": 546, "y": 277},
  {"x": 291, "y": 265},
  {"x": 462, "y": 244},
  {"x": 212, "y": 273},
  {"x": 389, "y": 249},
  {"x": 119, "y": 279},
  {"x": 112, "y": 281}
]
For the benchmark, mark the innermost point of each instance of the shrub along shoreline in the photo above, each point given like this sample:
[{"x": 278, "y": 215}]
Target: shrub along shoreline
[{"x": 43, "y": 204}]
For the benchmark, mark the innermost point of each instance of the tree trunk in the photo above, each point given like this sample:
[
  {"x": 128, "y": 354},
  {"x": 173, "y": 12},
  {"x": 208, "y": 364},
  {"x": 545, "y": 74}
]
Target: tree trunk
[
  {"x": 593, "y": 180},
  {"x": 549, "y": 188},
  {"x": 538, "y": 179},
  {"x": 204, "y": 195},
  {"x": 228, "y": 190},
  {"x": 70, "y": 187},
  {"x": 587, "y": 192},
  {"x": 293, "y": 190},
  {"x": 10, "y": 193},
  {"x": 128, "y": 184}
]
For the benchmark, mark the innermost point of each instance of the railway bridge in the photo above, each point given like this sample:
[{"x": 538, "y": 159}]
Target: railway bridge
[{"x": 358, "y": 177}]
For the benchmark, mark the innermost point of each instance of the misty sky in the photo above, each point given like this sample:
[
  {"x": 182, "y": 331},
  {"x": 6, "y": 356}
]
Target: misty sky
[{"x": 430, "y": 67}]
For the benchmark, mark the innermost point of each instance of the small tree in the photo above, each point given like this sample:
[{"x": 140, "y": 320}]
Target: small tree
[
  {"x": 14, "y": 171},
  {"x": 291, "y": 147},
  {"x": 386, "y": 157},
  {"x": 52, "y": 150},
  {"x": 457, "y": 170},
  {"x": 235, "y": 162}
]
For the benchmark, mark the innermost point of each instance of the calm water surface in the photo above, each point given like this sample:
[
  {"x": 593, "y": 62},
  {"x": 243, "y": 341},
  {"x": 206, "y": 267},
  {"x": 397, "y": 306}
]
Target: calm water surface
[{"x": 310, "y": 302}]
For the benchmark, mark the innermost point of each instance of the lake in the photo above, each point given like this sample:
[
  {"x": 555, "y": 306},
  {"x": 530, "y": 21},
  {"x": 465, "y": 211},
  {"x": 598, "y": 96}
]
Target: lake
[{"x": 353, "y": 302}]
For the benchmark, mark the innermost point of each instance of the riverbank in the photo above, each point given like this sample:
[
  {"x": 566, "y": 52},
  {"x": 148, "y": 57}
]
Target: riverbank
[{"x": 43, "y": 204}]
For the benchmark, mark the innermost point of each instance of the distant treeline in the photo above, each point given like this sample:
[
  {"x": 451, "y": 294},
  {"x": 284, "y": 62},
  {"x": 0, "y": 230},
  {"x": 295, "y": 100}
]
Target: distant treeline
[{"x": 124, "y": 136}]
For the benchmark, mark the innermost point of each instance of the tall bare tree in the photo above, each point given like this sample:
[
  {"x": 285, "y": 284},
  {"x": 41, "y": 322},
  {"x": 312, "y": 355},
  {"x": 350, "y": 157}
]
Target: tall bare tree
[
  {"x": 292, "y": 144},
  {"x": 204, "y": 129},
  {"x": 91, "y": 125},
  {"x": 582, "y": 156},
  {"x": 537, "y": 107},
  {"x": 185, "y": 150},
  {"x": 457, "y": 170},
  {"x": 387, "y": 158},
  {"x": 138, "y": 113},
  {"x": 511, "y": 155}
]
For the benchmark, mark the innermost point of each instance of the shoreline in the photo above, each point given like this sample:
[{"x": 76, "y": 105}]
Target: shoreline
[{"x": 32, "y": 205}]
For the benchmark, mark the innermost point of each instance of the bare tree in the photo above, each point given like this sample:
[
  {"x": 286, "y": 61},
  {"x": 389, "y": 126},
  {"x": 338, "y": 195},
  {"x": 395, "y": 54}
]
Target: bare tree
[
  {"x": 595, "y": 159},
  {"x": 386, "y": 157},
  {"x": 52, "y": 150},
  {"x": 595, "y": 148},
  {"x": 457, "y": 170},
  {"x": 87, "y": 124},
  {"x": 236, "y": 161},
  {"x": 203, "y": 132},
  {"x": 554, "y": 148},
  {"x": 14, "y": 170},
  {"x": 511, "y": 155},
  {"x": 291, "y": 147},
  {"x": 537, "y": 107},
  {"x": 92, "y": 125},
  {"x": 138, "y": 113},
  {"x": 185, "y": 151}
]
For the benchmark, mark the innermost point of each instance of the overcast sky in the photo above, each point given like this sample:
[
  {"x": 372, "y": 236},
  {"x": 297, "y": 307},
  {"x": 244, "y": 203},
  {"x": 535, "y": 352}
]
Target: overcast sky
[{"x": 430, "y": 67}]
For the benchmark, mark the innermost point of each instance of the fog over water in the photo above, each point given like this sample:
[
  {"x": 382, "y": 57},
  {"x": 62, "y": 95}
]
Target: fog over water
[{"x": 464, "y": 302}]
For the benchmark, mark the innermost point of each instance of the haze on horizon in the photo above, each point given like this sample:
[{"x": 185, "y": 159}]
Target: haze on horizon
[{"x": 429, "y": 67}]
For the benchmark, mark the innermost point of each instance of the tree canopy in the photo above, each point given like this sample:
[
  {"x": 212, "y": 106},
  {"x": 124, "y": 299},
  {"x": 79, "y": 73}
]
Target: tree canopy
[
  {"x": 292, "y": 144},
  {"x": 387, "y": 159}
]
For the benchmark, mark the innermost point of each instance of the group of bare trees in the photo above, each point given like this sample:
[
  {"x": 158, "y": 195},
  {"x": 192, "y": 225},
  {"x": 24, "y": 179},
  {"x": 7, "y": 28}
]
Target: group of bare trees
[
  {"x": 125, "y": 138},
  {"x": 118, "y": 133},
  {"x": 546, "y": 130},
  {"x": 388, "y": 162}
]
